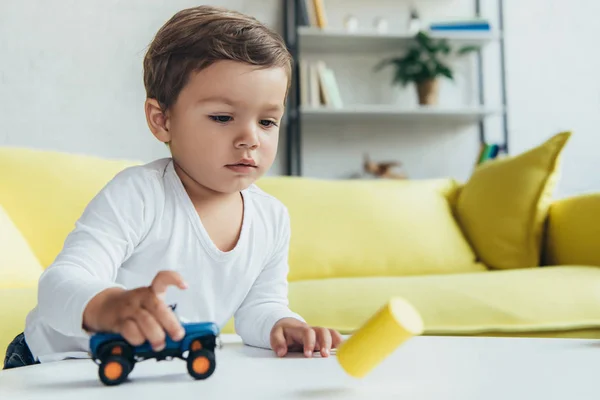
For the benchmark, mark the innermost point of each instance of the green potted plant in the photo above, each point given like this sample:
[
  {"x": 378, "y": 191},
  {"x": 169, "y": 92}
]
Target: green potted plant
[{"x": 423, "y": 63}]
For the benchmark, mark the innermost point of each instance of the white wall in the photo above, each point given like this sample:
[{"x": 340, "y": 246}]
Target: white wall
[
  {"x": 71, "y": 79},
  {"x": 71, "y": 72},
  {"x": 552, "y": 67}
]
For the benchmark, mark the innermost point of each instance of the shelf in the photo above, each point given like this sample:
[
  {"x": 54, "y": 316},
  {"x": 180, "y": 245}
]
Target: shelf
[
  {"x": 340, "y": 41},
  {"x": 463, "y": 115}
]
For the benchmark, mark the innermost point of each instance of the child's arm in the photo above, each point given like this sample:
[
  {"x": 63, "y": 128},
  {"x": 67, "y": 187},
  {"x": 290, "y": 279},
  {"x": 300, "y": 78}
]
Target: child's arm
[
  {"x": 264, "y": 319},
  {"x": 84, "y": 273}
]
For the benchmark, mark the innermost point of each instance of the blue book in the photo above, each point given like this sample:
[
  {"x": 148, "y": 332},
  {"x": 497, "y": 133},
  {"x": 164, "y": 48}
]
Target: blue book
[
  {"x": 470, "y": 29},
  {"x": 461, "y": 26},
  {"x": 494, "y": 151}
]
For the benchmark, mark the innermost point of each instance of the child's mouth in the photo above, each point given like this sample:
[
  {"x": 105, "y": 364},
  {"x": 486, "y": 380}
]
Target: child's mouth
[{"x": 241, "y": 167}]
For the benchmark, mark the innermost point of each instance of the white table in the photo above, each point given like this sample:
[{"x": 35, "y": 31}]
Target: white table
[{"x": 423, "y": 368}]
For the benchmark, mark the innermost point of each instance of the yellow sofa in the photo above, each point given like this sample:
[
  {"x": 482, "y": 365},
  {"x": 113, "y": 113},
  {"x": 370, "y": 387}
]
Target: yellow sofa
[{"x": 355, "y": 244}]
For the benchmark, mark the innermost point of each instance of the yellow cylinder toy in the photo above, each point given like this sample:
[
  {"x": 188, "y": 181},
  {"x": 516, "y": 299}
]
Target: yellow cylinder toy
[{"x": 393, "y": 324}]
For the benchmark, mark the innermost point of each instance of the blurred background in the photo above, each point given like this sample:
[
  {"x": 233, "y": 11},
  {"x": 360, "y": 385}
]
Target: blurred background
[{"x": 71, "y": 80}]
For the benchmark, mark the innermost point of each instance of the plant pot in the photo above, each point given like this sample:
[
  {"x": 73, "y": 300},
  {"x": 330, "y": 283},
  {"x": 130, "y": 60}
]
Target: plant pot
[{"x": 428, "y": 92}]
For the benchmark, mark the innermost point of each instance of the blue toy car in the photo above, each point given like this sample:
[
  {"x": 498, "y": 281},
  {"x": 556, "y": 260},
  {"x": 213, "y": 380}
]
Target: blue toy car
[{"x": 116, "y": 357}]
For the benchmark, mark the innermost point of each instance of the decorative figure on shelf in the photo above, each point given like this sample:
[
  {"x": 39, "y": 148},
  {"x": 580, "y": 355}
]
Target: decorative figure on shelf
[
  {"x": 381, "y": 25},
  {"x": 382, "y": 169},
  {"x": 350, "y": 23},
  {"x": 414, "y": 22}
]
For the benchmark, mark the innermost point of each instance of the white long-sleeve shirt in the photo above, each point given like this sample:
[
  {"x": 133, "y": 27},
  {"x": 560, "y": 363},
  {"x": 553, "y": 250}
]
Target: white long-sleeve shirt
[{"x": 143, "y": 222}]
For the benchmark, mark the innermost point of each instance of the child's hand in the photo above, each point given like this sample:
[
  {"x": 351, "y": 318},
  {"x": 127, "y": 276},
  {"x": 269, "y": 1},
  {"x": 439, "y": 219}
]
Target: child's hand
[
  {"x": 290, "y": 334},
  {"x": 139, "y": 314}
]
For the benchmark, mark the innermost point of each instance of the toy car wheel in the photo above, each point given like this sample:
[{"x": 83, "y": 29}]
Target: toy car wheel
[
  {"x": 117, "y": 348},
  {"x": 201, "y": 363},
  {"x": 114, "y": 370}
]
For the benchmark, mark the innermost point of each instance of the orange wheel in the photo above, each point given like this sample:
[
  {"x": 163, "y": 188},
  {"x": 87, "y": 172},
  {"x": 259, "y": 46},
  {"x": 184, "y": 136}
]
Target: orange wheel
[
  {"x": 201, "y": 363},
  {"x": 196, "y": 345},
  {"x": 114, "y": 370}
]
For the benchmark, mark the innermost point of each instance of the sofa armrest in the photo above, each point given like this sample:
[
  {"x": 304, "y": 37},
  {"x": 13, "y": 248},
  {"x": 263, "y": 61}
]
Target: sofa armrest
[
  {"x": 573, "y": 232},
  {"x": 15, "y": 304}
]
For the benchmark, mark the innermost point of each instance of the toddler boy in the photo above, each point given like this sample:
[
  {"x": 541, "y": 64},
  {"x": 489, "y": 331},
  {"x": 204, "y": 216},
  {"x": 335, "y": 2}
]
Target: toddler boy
[{"x": 192, "y": 229}]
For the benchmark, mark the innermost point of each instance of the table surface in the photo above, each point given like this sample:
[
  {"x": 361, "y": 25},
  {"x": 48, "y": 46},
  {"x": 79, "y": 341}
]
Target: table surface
[{"x": 423, "y": 368}]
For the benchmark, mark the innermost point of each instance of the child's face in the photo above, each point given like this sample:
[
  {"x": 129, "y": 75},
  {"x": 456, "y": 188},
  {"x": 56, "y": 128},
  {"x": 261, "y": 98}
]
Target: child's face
[{"x": 224, "y": 127}]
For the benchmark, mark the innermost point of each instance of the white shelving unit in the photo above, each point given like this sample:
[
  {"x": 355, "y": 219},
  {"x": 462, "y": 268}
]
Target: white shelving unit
[
  {"x": 304, "y": 40},
  {"x": 319, "y": 41},
  {"x": 464, "y": 115},
  {"x": 315, "y": 40}
]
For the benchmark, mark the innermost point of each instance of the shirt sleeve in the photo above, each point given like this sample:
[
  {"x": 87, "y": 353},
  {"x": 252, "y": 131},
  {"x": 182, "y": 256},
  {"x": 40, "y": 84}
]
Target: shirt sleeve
[
  {"x": 105, "y": 235},
  {"x": 267, "y": 301}
]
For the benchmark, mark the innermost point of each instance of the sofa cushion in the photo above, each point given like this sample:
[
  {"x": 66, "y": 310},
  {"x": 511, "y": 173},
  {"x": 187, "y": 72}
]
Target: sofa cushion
[
  {"x": 45, "y": 192},
  {"x": 15, "y": 304},
  {"x": 352, "y": 228},
  {"x": 544, "y": 301},
  {"x": 573, "y": 231},
  {"x": 503, "y": 206},
  {"x": 18, "y": 265}
]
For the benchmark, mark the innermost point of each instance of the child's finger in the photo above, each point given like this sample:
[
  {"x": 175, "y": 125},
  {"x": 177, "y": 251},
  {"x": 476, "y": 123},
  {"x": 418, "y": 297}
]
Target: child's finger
[
  {"x": 323, "y": 340},
  {"x": 130, "y": 331},
  {"x": 164, "y": 279},
  {"x": 309, "y": 338},
  {"x": 164, "y": 316},
  {"x": 151, "y": 329},
  {"x": 336, "y": 338},
  {"x": 278, "y": 342}
]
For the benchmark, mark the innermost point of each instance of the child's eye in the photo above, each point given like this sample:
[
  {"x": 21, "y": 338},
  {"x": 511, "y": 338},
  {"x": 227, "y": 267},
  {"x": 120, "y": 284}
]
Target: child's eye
[
  {"x": 267, "y": 123},
  {"x": 220, "y": 118}
]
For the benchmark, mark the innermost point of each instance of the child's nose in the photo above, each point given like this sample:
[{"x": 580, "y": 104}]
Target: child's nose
[{"x": 248, "y": 137}]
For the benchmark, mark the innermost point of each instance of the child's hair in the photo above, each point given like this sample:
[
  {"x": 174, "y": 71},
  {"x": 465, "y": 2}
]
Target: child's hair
[{"x": 195, "y": 38}]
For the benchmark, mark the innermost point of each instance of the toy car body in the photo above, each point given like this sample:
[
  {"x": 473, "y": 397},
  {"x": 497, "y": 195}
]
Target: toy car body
[{"x": 116, "y": 358}]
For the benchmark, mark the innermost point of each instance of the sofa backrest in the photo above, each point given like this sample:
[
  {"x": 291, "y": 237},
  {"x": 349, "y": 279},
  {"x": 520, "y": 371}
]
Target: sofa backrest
[
  {"x": 350, "y": 228},
  {"x": 45, "y": 192},
  {"x": 340, "y": 228}
]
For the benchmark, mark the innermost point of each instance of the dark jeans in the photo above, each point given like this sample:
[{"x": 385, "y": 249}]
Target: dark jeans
[{"x": 18, "y": 354}]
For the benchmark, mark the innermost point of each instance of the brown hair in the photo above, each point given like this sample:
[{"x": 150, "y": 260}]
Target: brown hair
[{"x": 197, "y": 37}]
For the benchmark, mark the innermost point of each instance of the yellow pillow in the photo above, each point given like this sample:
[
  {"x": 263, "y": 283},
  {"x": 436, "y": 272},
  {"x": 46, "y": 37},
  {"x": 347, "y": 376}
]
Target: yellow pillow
[
  {"x": 18, "y": 265},
  {"x": 356, "y": 228},
  {"x": 45, "y": 192},
  {"x": 503, "y": 206}
]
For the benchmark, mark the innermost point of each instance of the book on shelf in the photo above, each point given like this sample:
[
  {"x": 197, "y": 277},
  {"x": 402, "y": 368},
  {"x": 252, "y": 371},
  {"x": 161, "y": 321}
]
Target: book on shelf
[
  {"x": 304, "y": 15},
  {"x": 304, "y": 82},
  {"x": 313, "y": 85},
  {"x": 312, "y": 13},
  {"x": 487, "y": 151},
  {"x": 318, "y": 85},
  {"x": 477, "y": 24}
]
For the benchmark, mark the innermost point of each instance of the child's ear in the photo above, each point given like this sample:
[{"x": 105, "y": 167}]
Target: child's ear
[{"x": 157, "y": 120}]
